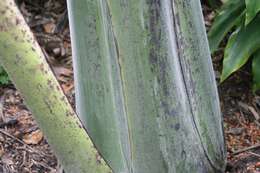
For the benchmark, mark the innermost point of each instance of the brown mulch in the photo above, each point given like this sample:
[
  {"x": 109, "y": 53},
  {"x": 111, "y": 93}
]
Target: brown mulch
[
  {"x": 241, "y": 113},
  {"x": 23, "y": 149}
]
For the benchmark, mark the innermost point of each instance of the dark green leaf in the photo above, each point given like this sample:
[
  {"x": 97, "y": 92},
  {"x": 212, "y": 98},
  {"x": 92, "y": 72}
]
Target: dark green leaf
[
  {"x": 214, "y": 3},
  {"x": 256, "y": 71},
  {"x": 241, "y": 45},
  {"x": 229, "y": 15},
  {"x": 4, "y": 79},
  {"x": 252, "y": 8}
]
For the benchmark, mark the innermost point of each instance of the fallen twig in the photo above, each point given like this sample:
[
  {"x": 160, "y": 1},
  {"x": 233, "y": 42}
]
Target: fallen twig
[
  {"x": 246, "y": 149},
  {"x": 2, "y": 106},
  {"x": 28, "y": 148},
  {"x": 253, "y": 111},
  {"x": 255, "y": 154}
]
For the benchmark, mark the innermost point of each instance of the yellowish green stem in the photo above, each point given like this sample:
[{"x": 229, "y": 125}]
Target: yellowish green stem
[{"x": 24, "y": 61}]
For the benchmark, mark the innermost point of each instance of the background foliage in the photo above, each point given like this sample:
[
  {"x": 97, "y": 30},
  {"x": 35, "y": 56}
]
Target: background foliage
[
  {"x": 4, "y": 79},
  {"x": 241, "y": 18}
]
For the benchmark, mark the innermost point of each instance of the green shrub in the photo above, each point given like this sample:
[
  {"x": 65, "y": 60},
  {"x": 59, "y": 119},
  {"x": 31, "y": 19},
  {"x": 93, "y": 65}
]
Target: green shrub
[
  {"x": 4, "y": 79},
  {"x": 242, "y": 18},
  {"x": 213, "y": 3}
]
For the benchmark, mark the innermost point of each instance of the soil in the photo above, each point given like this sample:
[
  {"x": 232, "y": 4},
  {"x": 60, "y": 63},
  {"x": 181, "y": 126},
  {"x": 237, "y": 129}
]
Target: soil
[{"x": 23, "y": 148}]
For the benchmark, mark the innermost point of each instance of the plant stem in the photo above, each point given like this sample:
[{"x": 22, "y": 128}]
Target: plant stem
[{"x": 24, "y": 61}]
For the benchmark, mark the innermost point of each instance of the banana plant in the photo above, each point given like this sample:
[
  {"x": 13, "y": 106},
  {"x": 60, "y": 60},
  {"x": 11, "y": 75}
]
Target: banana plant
[
  {"x": 242, "y": 19},
  {"x": 145, "y": 88}
]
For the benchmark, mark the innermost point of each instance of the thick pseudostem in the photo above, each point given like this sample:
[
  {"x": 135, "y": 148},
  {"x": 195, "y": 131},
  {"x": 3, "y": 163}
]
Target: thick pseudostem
[{"x": 146, "y": 66}]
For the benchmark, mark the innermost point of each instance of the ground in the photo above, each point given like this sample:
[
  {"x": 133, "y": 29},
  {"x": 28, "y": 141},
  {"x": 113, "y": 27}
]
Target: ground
[{"x": 23, "y": 148}]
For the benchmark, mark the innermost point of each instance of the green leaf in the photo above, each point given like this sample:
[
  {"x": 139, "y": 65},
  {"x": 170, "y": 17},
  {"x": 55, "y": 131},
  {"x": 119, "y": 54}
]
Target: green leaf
[
  {"x": 4, "y": 79},
  {"x": 252, "y": 8},
  {"x": 214, "y": 3},
  {"x": 256, "y": 71},
  {"x": 229, "y": 15},
  {"x": 241, "y": 45}
]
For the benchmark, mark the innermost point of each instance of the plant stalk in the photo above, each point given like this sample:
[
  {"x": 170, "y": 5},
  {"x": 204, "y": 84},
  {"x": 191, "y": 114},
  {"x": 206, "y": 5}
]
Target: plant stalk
[{"x": 24, "y": 61}]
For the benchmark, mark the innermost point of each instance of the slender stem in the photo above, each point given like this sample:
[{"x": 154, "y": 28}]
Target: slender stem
[{"x": 24, "y": 61}]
